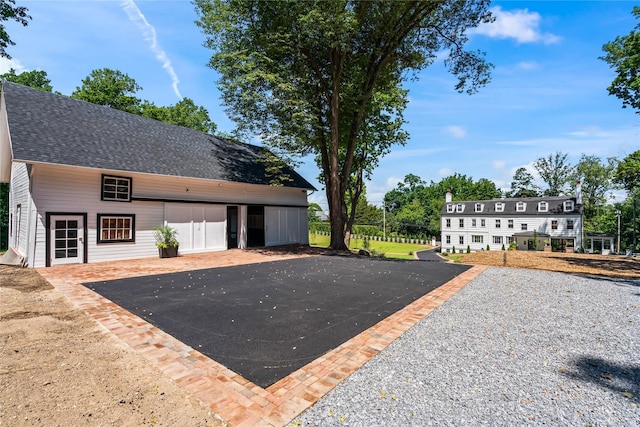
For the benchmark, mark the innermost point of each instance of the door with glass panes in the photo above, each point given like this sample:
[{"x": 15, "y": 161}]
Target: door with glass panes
[{"x": 66, "y": 240}]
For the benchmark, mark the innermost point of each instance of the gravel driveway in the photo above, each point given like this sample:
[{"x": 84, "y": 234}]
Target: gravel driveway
[{"x": 514, "y": 347}]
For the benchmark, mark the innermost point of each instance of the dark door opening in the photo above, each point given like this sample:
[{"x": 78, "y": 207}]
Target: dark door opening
[
  {"x": 255, "y": 226},
  {"x": 232, "y": 227}
]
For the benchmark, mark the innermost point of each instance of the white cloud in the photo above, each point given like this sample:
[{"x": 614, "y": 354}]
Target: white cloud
[
  {"x": 7, "y": 64},
  {"x": 149, "y": 32},
  {"x": 522, "y": 25},
  {"x": 445, "y": 172},
  {"x": 498, "y": 164},
  {"x": 456, "y": 131},
  {"x": 527, "y": 65}
]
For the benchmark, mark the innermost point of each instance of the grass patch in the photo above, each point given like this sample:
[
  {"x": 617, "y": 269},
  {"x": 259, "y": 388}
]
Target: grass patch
[
  {"x": 390, "y": 249},
  {"x": 457, "y": 258}
]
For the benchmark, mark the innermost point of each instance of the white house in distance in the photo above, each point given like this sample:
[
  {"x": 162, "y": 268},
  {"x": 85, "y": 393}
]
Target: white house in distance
[
  {"x": 88, "y": 183},
  {"x": 532, "y": 222}
]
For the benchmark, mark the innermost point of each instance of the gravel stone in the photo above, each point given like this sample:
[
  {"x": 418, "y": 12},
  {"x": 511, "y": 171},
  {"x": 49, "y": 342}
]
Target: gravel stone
[{"x": 514, "y": 347}]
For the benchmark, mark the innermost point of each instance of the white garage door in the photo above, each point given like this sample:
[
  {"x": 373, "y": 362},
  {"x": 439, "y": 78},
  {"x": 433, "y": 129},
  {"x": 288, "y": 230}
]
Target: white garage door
[
  {"x": 200, "y": 227},
  {"x": 285, "y": 226}
]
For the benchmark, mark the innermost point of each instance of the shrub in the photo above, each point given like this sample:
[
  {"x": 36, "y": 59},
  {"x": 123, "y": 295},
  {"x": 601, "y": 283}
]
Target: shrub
[
  {"x": 503, "y": 246},
  {"x": 468, "y": 249},
  {"x": 453, "y": 251},
  {"x": 488, "y": 247}
]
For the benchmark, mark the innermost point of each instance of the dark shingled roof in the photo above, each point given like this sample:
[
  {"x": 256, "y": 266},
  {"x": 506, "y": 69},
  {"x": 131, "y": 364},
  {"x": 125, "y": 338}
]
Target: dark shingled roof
[
  {"x": 555, "y": 207},
  {"x": 50, "y": 128}
]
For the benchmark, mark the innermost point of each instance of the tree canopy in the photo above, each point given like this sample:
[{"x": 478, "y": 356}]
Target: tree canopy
[
  {"x": 627, "y": 172},
  {"x": 115, "y": 89},
  {"x": 9, "y": 11},
  {"x": 623, "y": 55},
  {"x": 556, "y": 171},
  {"x": 34, "y": 79},
  {"x": 325, "y": 77},
  {"x": 523, "y": 184},
  {"x": 111, "y": 88}
]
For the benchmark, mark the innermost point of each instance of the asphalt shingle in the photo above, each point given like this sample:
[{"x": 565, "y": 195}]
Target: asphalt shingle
[{"x": 51, "y": 128}]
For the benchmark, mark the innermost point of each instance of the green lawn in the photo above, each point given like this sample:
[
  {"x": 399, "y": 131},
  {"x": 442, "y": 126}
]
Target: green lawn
[{"x": 390, "y": 249}]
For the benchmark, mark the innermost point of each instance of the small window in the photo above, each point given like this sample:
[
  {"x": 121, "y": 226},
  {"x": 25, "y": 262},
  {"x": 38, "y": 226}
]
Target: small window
[
  {"x": 448, "y": 223},
  {"x": 508, "y": 239},
  {"x": 116, "y": 228},
  {"x": 606, "y": 244},
  {"x": 497, "y": 223},
  {"x": 568, "y": 205},
  {"x": 483, "y": 223},
  {"x": 450, "y": 208},
  {"x": 116, "y": 188},
  {"x": 461, "y": 240},
  {"x": 478, "y": 207},
  {"x": 521, "y": 206},
  {"x": 509, "y": 223},
  {"x": 570, "y": 224},
  {"x": 461, "y": 222},
  {"x": 500, "y": 207},
  {"x": 476, "y": 239},
  {"x": 543, "y": 207},
  {"x": 460, "y": 207},
  {"x": 473, "y": 222},
  {"x": 448, "y": 239},
  {"x": 554, "y": 224},
  {"x": 497, "y": 240},
  {"x": 523, "y": 227}
]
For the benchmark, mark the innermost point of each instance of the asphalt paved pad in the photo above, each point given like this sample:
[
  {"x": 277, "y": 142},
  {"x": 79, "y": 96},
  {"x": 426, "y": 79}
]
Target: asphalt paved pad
[{"x": 265, "y": 321}]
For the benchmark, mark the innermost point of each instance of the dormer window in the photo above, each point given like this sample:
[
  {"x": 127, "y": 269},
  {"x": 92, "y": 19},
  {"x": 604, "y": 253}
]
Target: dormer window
[
  {"x": 568, "y": 205},
  {"x": 450, "y": 208},
  {"x": 460, "y": 207},
  {"x": 521, "y": 206},
  {"x": 499, "y": 207},
  {"x": 478, "y": 207},
  {"x": 543, "y": 207}
]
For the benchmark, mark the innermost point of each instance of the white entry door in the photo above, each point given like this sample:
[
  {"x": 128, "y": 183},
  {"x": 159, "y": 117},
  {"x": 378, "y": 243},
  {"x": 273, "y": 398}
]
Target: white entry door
[{"x": 66, "y": 239}]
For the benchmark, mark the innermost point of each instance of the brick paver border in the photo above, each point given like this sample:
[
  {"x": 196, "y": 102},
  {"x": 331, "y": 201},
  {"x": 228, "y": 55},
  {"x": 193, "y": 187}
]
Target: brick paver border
[{"x": 237, "y": 400}]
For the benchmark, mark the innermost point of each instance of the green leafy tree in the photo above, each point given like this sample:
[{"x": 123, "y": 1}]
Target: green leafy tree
[
  {"x": 34, "y": 79},
  {"x": 184, "y": 113},
  {"x": 9, "y": 11},
  {"x": 556, "y": 172},
  {"x": 304, "y": 74},
  {"x": 597, "y": 180},
  {"x": 313, "y": 210},
  {"x": 523, "y": 184},
  {"x": 623, "y": 55},
  {"x": 110, "y": 88},
  {"x": 627, "y": 172}
]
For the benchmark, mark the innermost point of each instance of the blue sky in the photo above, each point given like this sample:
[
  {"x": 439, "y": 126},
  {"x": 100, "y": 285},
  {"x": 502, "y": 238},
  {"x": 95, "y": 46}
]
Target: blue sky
[{"x": 548, "y": 90}]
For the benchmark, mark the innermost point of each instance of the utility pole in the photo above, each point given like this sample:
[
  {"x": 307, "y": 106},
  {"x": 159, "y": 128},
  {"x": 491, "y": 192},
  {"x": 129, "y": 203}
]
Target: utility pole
[
  {"x": 618, "y": 213},
  {"x": 384, "y": 222}
]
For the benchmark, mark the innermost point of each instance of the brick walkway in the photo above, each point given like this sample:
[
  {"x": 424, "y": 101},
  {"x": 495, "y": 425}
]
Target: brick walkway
[{"x": 235, "y": 399}]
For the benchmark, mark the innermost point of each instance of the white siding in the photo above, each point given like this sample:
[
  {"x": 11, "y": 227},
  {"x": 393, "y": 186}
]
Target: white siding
[
  {"x": 20, "y": 206},
  {"x": 285, "y": 226},
  {"x": 77, "y": 190},
  {"x": 541, "y": 224}
]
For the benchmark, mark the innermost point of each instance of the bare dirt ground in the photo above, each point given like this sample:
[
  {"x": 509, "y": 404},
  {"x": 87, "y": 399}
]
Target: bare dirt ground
[
  {"x": 59, "y": 368},
  {"x": 601, "y": 265}
]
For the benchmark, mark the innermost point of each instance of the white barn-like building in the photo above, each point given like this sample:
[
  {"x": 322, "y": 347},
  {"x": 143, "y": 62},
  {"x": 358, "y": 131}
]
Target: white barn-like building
[
  {"x": 89, "y": 183},
  {"x": 533, "y": 223}
]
